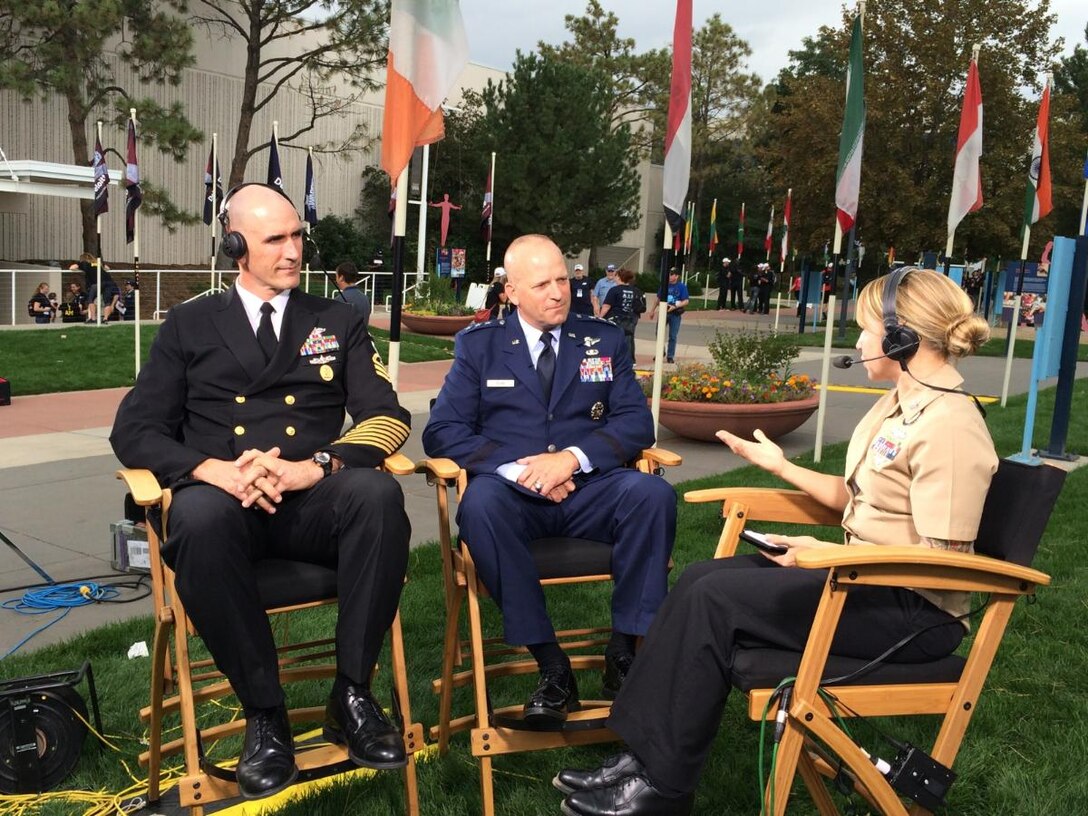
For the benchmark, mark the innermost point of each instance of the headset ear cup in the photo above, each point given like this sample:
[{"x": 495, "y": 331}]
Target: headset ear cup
[
  {"x": 900, "y": 343},
  {"x": 234, "y": 245}
]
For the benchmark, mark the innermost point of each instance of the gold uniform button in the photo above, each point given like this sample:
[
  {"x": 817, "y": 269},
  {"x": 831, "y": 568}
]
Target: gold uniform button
[
  {"x": 290, "y": 400},
  {"x": 290, "y": 430},
  {"x": 239, "y": 399},
  {"x": 239, "y": 430}
]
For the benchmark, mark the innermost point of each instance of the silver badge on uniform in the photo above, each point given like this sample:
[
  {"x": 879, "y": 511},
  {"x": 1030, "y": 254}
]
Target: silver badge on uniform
[
  {"x": 592, "y": 352},
  {"x": 591, "y": 341},
  {"x": 597, "y": 411}
]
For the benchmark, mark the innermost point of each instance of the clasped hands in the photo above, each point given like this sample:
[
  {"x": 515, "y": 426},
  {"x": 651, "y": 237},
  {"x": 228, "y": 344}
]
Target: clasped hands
[
  {"x": 549, "y": 474},
  {"x": 259, "y": 478}
]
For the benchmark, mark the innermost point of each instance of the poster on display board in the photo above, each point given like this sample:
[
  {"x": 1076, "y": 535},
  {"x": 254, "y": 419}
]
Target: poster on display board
[
  {"x": 443, "y": 261},
  {"x": 1033, "y": 295},
  {"x": 457, "y": 263}
]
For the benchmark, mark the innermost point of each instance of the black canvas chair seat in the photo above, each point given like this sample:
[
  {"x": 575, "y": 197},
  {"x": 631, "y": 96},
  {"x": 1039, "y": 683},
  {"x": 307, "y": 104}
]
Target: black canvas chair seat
[
  {"x": 288, "y": 583},
  {"x": 766, "y": 668},
  {"x": 563, "y": 557}
]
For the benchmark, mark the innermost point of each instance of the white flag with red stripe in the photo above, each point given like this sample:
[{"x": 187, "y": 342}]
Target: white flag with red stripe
[
  {"x": 967, "y": 179},
  {"x": 769, "y": 239},
  {"x": 678, "y": 132},
  {"x": 786, "y": 224},
  {"x": 427, "y": 52}
]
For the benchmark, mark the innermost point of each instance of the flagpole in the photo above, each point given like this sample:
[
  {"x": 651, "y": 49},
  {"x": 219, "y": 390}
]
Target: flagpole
[
  {"x": 136, "y": 263},
  {"x": 400, "y": 221},
  {"x": 491, "y": 217},
  {"x": 421, "y": 236},
  {"x": 305, "y": 193},
  {"x": 98, "y": 248},
  {"x": 215, "y": 215},
  {"x": 711, "y": 239}
]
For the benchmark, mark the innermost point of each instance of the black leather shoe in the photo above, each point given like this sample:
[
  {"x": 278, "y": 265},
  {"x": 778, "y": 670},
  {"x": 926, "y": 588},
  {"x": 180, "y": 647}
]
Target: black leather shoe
[
  {"x": 354, "y": 718},
  {"x": 613, "y": 770},
  {"x": 616, "y": 667},
  {"x": 267, "y": 764},
  {"x": 556, "y": 695},
  {"x": 630, "y": 796}
]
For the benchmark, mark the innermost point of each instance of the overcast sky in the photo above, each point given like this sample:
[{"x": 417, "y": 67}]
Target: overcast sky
[{"x": 497, "y": 28}]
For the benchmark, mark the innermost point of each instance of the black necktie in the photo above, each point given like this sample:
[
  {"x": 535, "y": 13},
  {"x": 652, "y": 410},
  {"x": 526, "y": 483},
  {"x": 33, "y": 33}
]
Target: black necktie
[
  {"x": 266, "y": 335},
  {"x": 545, "y": 366}
]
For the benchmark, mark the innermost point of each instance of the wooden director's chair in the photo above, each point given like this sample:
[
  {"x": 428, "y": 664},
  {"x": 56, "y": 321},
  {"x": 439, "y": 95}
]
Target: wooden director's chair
[
  {"x": 497, "y": 731},
  {"x": 1017, "y": 508},
  {"x": 179, "y": 683}
]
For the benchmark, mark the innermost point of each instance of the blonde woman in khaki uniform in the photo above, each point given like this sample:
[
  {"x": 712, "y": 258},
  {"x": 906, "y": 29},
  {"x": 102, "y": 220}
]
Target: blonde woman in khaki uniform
[{"x": 917, "y": 471}]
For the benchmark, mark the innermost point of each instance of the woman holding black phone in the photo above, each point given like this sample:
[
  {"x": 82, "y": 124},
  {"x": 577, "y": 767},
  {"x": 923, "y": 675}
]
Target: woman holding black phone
[{"x": 921, "y": 438}]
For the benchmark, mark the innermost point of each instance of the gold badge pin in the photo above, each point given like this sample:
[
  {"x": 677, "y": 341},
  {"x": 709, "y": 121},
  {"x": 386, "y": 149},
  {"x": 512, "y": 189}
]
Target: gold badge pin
[
  {"x": 597, "y": 411},
  {"x": 326, "y": 372}
]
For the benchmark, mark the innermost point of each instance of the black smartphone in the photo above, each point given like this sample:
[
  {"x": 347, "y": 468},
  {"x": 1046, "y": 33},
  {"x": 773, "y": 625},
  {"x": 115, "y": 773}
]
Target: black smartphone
[{"x": 760, "y": 542}]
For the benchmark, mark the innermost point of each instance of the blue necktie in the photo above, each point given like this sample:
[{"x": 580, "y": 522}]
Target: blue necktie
[
  {"x": 545, "y": 366},
  {"x": 266, "y": 335}
]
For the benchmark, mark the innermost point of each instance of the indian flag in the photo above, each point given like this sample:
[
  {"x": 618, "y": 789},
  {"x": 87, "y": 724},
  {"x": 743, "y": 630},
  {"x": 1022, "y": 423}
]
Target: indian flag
[
  {"x": 1038, "y": 203},
  {"x": 427, "y": 51},
  {"x": 848, "y": 177}
]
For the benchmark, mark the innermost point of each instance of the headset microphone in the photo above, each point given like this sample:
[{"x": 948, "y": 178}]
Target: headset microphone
[{"x": 845, "y": 361}]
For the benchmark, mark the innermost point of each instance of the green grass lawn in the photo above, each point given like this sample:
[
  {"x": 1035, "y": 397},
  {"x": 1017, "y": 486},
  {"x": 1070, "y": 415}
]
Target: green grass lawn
[
  {"x": 1023, "y": 753},
  {"x": 81, "y": 358}
]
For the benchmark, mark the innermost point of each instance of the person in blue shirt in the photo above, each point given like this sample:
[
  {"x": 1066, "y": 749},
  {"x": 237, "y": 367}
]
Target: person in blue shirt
[
  {"x": 600, "y": 291},
  {"x": 676, "y": 302}
]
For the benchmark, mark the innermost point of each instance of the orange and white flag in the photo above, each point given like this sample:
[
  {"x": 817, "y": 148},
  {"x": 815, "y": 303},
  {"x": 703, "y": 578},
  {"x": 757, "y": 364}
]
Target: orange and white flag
[{"x": 427, "y": 51}]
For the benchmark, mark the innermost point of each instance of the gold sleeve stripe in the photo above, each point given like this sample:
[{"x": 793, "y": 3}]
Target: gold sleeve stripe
[
  {"x": 379, "y": 368},
  {"x": 384, "y": 433}
]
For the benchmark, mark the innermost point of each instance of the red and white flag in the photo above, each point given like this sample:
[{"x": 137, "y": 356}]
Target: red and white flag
[
  {"x": 786, "y": 224},
  {"x": 427, "y": 51},
  {"x": 769, "y": 240},
  {"x": 487, "y": 212},
  {"x": 967, "y": 179},
  {"x": 678, "y": 131},
  {"x": 1038, "y": 203}
]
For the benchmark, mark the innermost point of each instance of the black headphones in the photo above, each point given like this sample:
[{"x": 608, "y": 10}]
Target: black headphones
[
  {"x": 900, "y": 342},
  {"x": 234, "y": 243}
]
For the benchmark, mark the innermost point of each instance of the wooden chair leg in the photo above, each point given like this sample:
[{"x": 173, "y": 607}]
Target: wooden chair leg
[
  {"x": 814, "y": 782},
  {"x": 450, "y": 649},
  {"x": 160, "y": 660},
  {"x": 411, "y": 787},
  {"x": 487, "y": 787}
]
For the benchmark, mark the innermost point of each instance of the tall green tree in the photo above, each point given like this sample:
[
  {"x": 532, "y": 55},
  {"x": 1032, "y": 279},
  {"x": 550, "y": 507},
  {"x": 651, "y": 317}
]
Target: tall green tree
[
  {"x": 1071, "y": 77},
  {"x": 60, "y": 48},
  {"x": 916, "y": 58},
  {"x": 568, "y": 171},
  {"x": 343, "y": 42}
]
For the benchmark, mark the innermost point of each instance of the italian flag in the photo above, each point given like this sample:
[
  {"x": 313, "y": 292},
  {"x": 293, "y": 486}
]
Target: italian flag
[
  {"x": 1038, "y": 202},
  {"x": 427, "y": 52},
  {"x": 848, "y": 177},
  {"x": 967, "y": 179}
]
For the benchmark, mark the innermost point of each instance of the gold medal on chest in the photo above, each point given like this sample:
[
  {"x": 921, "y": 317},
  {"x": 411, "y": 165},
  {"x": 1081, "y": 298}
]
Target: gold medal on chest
[{"x": 325, "y": 372}]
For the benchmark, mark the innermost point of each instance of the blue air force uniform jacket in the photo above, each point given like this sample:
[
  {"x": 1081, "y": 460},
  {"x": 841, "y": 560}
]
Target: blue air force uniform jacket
[
  {"x": 206, "y": 391},
  {"x": 491, "y": 408}
]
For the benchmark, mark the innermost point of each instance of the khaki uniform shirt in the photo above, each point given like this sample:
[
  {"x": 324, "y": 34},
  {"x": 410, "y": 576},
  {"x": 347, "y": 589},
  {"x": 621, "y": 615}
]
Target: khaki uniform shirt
[{"x": 919, "y": 465}]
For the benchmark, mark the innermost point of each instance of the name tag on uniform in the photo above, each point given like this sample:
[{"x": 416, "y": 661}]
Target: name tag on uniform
[
  {"x": 500, "y": 383},
  {"x": 596, "y": 369}
]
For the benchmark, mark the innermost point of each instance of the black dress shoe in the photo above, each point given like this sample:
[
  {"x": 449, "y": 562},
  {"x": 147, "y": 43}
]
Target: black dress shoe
[
  {"x": 613, "y": 770},
  {"x": 630, "y": 796},
  {"x": 267, "y": 764},
  {"x": 354, "y": 718},
  {"x": 556, "y": 695},
  {"x": 616, "y": 667}
]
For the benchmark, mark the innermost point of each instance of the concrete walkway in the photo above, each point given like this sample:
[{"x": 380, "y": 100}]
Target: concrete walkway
[{"x": 58, "y": 494}]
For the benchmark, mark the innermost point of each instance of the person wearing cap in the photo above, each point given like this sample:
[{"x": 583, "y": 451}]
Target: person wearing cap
[
  {"x": 725, "y": 284},
  {"x": 496, "y": 300},
  {"x": 126, "y": 305},
  {"x": 601, "y": 289},
  {"x": 764, "y": 281},
  {"x": 581, "y": 299}
]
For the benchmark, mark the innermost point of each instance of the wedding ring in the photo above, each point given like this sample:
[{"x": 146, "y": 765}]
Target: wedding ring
[{"x": 538, "y": 486}]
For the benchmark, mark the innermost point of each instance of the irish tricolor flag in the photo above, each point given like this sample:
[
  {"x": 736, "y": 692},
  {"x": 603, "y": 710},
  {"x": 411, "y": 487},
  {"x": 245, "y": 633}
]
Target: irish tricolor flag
[
  {"x": 427, "y": 51},
  {"x": 848, "y": 177},
  {"x": 967, "y": 180}
]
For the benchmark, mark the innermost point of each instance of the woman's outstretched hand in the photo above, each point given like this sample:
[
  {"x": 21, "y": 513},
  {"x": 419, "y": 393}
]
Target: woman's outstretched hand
[{"x": 763, "y": 452}]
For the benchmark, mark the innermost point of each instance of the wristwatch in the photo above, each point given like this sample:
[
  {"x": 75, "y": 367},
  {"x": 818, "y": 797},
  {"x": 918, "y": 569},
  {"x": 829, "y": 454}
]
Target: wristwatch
[{"x": 323, "y": 459}]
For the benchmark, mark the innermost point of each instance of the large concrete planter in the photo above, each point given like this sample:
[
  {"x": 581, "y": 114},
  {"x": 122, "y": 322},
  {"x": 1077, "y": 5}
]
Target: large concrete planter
[
  {"x": 434, "y": 324},
  {"x": 700, "y": 420}
]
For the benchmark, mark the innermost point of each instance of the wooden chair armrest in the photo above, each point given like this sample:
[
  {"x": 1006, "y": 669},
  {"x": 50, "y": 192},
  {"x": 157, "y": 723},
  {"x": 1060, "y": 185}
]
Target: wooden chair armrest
[
  {"x": 907, "y": 556},
  {"x": 399, "y": 465},
  {"x": 771, "y": 504},
  {"x": 142, "y": 484},
  {"x": 659, "y": 457},
  {"x": 439, "y": 468}
]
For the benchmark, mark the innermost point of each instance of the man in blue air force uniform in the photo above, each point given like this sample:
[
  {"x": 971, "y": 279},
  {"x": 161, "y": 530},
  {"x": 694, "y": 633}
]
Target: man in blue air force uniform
[
  {"x": 543, "y": 410},
  {"x": 240, "y": 409}
]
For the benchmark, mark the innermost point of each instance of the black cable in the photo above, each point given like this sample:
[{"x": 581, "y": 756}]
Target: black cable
[{"x": 73, "y": 580}]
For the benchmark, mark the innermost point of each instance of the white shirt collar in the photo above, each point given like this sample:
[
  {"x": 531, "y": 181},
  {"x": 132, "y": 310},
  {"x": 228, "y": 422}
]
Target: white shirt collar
[
  {"x": 532, "y": 338},
  {"x": 252, "y": 304}
]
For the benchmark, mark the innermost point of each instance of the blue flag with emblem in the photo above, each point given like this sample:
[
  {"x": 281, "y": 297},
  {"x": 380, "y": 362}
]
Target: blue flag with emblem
[
  {"x": 309, "y": 204},
  {"x": 275, "y": 175}
]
